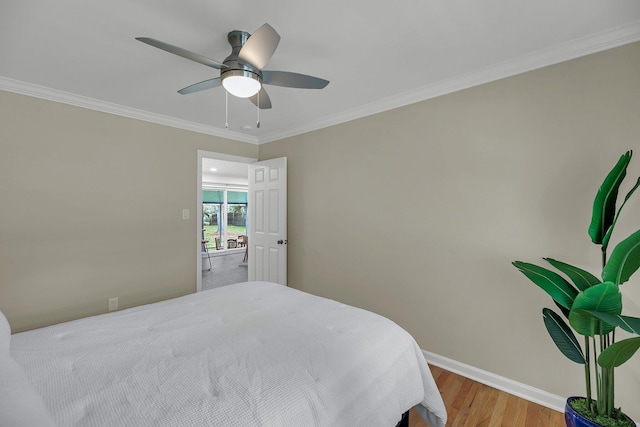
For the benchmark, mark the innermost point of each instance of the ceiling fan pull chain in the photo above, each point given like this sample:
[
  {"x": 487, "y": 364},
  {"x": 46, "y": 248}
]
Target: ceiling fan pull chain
[
  {"x": 226, "y": 109},
  {"x": 258, "y": 108}
]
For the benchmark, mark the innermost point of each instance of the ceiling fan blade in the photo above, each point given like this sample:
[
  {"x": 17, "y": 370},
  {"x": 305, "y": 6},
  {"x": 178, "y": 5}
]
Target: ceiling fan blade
[
  {"x": 203, "y": 85},
  {"x": 182, "y": 52},
  {"x": 259, "y": 48},
  {"x": 288, "y": 79},
  {"x": 265, "y": 102}
]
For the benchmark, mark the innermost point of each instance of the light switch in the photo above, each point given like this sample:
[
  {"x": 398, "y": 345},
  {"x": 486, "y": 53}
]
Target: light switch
[{"x": 185, "y": 213}]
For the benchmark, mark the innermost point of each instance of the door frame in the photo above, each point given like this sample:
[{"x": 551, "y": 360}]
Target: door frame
[{"x": 202, "y": 154}]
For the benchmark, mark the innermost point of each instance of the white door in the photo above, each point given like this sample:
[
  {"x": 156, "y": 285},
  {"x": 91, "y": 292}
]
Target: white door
[{"x": 267, "y": 216}]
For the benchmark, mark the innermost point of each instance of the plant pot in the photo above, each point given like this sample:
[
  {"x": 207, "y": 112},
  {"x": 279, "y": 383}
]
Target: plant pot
[{"x": 573, "y": 419}]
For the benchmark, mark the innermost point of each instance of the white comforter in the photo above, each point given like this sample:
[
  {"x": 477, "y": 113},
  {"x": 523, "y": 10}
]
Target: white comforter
[{"x": 251, "y": 354}]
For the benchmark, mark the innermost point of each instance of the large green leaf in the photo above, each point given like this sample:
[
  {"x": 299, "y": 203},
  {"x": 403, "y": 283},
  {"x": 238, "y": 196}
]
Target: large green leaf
[
  {"x": 552, "y": 283},
  {"x": 607, "y": 237},
  {"x": 624, "y": 260},
  {"x": 604, "y": 298},
  {"x": 563, "y": 310},
  {"x": 628, "y": 323},
  {"x": 618, "y": 353},
  {"x": 581, "y": 278},
  {"x": 604, "y": 205},
  {"x": 563, "y": 336}
]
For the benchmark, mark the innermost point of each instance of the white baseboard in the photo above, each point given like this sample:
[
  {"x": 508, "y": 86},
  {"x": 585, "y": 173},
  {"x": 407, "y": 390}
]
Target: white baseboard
[{"x": 507, "y": 385}]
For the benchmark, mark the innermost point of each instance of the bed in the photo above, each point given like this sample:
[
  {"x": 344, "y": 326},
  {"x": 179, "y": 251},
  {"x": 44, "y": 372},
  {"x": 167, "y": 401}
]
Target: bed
[{"x": 250, "y": 354}]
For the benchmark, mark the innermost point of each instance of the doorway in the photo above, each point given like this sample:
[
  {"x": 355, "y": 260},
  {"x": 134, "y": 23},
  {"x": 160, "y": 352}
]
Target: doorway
[{"x": 221, "y": 219}]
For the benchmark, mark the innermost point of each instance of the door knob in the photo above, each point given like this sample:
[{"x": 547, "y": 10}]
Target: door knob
[{"x": 280, "y": 242}]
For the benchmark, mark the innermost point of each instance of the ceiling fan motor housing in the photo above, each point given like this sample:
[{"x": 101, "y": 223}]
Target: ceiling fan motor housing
[{"x": 237, "y": 39}]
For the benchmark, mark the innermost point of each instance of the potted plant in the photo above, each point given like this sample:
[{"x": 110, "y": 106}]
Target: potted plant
[{"x": 593, "y": 307}]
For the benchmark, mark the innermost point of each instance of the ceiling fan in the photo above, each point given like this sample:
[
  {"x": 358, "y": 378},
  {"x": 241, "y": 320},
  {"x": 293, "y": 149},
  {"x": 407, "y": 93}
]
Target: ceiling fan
[{"x": 241, "y": 72}]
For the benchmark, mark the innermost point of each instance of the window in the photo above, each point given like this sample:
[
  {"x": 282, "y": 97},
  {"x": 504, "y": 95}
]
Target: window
[{"x": 224, "y": 217}]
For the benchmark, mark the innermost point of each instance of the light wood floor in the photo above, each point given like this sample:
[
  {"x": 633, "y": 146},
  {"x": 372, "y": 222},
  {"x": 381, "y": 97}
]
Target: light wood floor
[{"x": 471, "y": 404}]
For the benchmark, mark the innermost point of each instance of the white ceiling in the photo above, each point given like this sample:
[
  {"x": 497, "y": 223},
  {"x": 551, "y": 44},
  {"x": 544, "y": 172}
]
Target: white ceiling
[
  {"x": 224, "y": 173},
  {"x": 377, "y": 54}
]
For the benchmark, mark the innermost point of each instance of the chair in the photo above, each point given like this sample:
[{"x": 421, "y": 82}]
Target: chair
[
  {"x": 232, "y": 243},
  {"x": 218, "y": 244},
  {"x": 242, "y": 241},
  {"x": 205, "y": 253},
  {"x": 246, "y": 249}
]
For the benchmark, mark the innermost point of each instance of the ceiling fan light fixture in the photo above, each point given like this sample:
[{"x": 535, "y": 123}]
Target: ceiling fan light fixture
[
  {"x": 241, "y": 73},
  {"x": 241, "y": 83}
]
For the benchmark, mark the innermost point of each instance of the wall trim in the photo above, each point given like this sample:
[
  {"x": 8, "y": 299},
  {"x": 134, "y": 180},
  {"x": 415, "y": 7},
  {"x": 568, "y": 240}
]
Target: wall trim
[
  {"x": 507, "y": 385},
  {"x": 594, "y": 43},
  {"x": 576, "y": 48},
  {"x": 49, "y": 94}
]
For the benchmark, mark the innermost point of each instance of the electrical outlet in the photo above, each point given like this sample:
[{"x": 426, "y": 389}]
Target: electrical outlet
[{"x": 113, "y": 304}]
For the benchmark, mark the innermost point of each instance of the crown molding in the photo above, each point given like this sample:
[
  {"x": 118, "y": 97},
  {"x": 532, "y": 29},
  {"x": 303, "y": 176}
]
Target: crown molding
[
  {"x": 42, "y": 92},
  {"x": 609, "y": 39},
  {"x": 598, "y": 42}
]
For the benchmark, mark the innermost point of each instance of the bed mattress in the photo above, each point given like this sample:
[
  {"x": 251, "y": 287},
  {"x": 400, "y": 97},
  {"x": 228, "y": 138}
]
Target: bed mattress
[{"x": 250, "y": 354}]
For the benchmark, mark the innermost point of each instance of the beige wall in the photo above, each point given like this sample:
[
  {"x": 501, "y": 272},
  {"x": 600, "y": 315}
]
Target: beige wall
[
  {"x": 91, "y": 208},
  {"x": 417, "y": 213}
]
